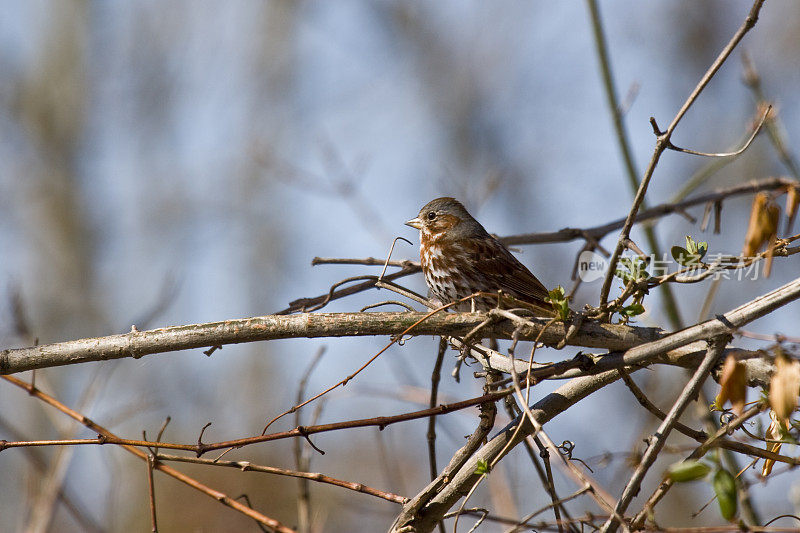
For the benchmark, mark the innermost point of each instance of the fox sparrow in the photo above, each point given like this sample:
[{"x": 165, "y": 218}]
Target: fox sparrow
[{"x": 460, "y": 258}]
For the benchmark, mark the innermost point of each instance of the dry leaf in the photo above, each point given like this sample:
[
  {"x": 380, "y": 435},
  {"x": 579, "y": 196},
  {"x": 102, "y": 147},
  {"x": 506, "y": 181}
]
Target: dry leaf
[
  {"x": 762, "y": 229},
  {"x": 773, "y": 433},
  {"x": 792, "y": 202},
  {"x": 764, "y": 216},
  {"x": 733, "y": 385},
  {"x": 784, "y": 387},
  {"x": 754, "y": 238}
]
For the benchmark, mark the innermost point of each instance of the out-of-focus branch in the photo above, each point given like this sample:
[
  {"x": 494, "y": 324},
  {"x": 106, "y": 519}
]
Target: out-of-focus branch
[
  {"x": 774, "y": 127},
  {"x": 37, "y": 460},
  {"x": 247, "y": 466},
  {"x": 180, "y": 476}
]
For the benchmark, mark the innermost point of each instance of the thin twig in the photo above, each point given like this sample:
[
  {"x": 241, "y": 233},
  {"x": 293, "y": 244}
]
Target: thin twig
[
  {"x": 318, "y": 302},
  {"x": 741, "y": 150},
  {"x": 662, "y": 489},
  {"x": 435, "y": 378},
  {"x": 544, "y": 453},
  {"x": 151, "y": 490},
  {"x": 612, "y": 101},
  {"x": 545, "y": 476},
  {"x": 247, "y": 466},
  {"x": 523, "y": 522},
  {"x": 658, "y": 440},
  {"x": 215, "y": 494},
  {"x": 389, "y": 256},
  {"x": 302, "y": 457},
  {"x": 652, "y": 213},
  {"x": 663, "y": 139},
  {"x": 647, "y": 404}
]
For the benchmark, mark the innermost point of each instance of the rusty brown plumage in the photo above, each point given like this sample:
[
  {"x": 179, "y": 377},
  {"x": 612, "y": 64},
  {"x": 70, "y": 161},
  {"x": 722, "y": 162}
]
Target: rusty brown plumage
[{"x": 459, "y": 257}]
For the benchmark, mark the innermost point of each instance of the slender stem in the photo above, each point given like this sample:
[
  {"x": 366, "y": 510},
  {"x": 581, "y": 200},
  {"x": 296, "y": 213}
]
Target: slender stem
[
  {"x": 551, "y": 487},
  {"x": 180, "y": 476},
  {"x": 670, "y": 305},
  {"x": 696, "y": 454},
  {"x": 151, "y": 490},
  {"x": 435, "y": 378},
  {"x": 545, "y": 476},
  {"x": 611, "y": 94},
  {"x": 663, "y": 140}
]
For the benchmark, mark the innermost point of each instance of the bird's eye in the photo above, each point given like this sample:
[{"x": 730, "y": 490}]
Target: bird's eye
[{"x": 431, "y": 215}]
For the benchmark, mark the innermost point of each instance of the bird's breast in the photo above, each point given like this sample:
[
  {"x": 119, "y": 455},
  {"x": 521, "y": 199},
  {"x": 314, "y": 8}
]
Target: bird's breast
[{"x": 441, "y": 275}]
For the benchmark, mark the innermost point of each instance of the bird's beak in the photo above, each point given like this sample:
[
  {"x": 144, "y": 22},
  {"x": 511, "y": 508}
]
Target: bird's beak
[{"x": 415, "y": 223}]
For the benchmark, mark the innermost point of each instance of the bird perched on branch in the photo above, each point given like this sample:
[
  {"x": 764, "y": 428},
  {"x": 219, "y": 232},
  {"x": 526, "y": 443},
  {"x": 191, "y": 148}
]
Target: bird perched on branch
[{"x": 459, "y": 258}]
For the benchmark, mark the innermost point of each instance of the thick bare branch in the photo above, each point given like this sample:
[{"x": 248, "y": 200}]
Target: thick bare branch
[
  {"x": 308, "y": 325},
  {"x": 614, "y": 337}
]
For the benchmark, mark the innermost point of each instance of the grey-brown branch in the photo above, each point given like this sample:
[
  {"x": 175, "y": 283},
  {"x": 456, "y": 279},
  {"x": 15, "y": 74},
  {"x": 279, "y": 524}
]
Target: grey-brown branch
[{"x": 612, "y": 337}]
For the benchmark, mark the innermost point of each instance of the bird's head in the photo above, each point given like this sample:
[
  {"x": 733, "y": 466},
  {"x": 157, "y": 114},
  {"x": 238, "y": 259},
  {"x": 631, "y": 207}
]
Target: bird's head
[{"x": 445, "y": 218}]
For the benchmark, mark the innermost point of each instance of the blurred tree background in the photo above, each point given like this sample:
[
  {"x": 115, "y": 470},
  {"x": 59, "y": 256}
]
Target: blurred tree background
[{"x": 180, "y": 162}]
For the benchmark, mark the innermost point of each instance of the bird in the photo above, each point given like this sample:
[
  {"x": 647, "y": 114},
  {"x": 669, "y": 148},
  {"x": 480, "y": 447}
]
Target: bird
[{"x": 459, "y": 258}]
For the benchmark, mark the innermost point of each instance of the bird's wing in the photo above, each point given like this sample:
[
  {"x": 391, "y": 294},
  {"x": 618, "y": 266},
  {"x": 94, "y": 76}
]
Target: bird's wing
[{"x": 506, "y": 273}]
